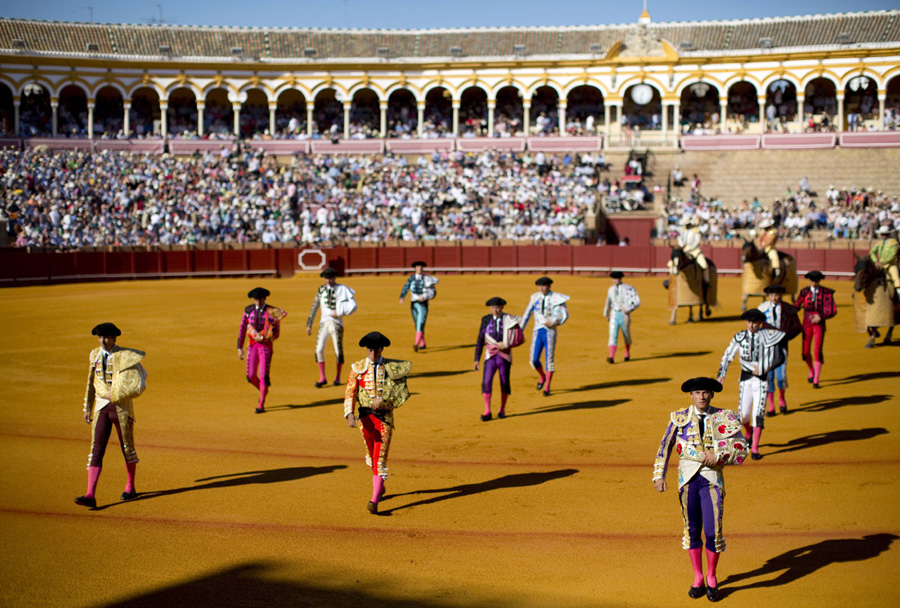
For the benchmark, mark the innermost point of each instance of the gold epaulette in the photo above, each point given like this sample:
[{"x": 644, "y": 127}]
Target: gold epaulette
[{"x": 680, "y": 418}]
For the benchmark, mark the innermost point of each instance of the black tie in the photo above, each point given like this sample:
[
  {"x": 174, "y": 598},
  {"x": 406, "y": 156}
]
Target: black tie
[
  {"x": 702, "y": 425},
  {"x": 105, "y": 355}
]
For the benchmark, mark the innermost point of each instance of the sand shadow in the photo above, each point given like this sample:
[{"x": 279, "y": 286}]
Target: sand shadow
[
  {"x": 830, "y": 404},
  {"x": 820, "y": 439},
  {"x": 803, "y": 561},
  {"x": 440, "y": 349},
  {"x": 603, "y": 385},
  {"x": 322, "y": 403},
  {"x": 571, "y": 407},
  {"x": 259, "y": 584},
  {"x": 729, "y": 319},
  {"x": 518, "y": 480},
  {"x": 234, "y": 480},
  {"x": 440, "y": 374},
  {"x": 863, "y": 377},
  {"x": 693, "y": 353}
]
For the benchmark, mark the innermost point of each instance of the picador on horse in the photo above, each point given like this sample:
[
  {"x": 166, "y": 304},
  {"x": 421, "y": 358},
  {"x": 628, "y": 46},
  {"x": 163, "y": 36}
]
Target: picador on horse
[
  {"x": 764, "y": 265},
  {"x": 877, "y": 280},
  {"x": 693, "y": 277}
]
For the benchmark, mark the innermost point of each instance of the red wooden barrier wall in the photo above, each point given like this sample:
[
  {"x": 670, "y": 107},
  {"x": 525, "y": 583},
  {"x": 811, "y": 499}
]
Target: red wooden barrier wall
[{"x": 22, "y": 268}]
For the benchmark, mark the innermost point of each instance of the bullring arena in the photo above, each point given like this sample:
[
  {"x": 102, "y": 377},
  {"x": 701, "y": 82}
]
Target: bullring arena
[{"x": 552, "y": 506}]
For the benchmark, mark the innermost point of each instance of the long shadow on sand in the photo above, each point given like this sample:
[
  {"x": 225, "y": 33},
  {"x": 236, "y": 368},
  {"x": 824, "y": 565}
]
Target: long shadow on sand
[
  {"x": 322, "y": 403},
  {"x": 440, "y": 374},
  {"x": 518, "y": 480},
  {"x": 240, "y": 479},
  {"x": 820, "y": 439},
  {"x": 830, "y": 404},
  {"x": 260, "y": 584},
  {"x": 863, "y": 377},
  {"x": 803, "y": 561},
  {"x": 615, "y": 384},
  {"x": 571, "y": 407},
  {"x": 728, "y": 319},
  {"x": 687, "y": 353},
  {"x": 440, "y": 349}
]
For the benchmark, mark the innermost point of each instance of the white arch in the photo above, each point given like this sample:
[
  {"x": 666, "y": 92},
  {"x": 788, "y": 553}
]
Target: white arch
[
  {"x": 522, "y": 89},
  {"x": 637, "y": 79},
  {"x": 360, "y": 86},
  {"x": 114, "y": 85},
  {"x": 468, "y": 85},
  {"x": 254, "y": 87},
  {"x": 550, "y": 83},
  {"x": 73, "y": 83},
  {"x": 190, "y": 86},
  {"x": 160, "y": 92},
  {"x": 317, "y": 90},
  {"x": 278, "y": 92},
  {"x": 733, "y": 80},
  {"x": 773, "y": 77},
  {"x": 688, "y": 82},
  {"x": 581, "y": 83},
  {"x": 810, "y": 77},
  {"x": 880, "y": 82},
  {"x": 403, "y": 87}
]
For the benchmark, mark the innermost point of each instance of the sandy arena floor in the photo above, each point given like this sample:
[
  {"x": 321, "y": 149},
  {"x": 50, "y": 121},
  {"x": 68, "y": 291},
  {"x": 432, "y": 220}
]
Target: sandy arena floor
[{"x": 552, "y": 506}]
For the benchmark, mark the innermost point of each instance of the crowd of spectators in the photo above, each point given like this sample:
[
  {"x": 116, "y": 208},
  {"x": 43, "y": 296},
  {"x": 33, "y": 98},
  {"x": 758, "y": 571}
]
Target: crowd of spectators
[
  {"x": 842, "y": 213},
  {"x": 70, "y": 200}
]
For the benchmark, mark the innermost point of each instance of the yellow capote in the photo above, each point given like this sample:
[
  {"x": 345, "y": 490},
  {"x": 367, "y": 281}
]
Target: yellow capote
[{"x": 125, "y": 380}]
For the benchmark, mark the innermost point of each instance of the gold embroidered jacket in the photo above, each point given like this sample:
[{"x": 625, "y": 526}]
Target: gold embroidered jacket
[
  {"x": 125, "y": 379},
  {"x": 389, "y": 383}
]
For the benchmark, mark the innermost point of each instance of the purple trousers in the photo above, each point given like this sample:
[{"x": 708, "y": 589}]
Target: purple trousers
[
  {"x": 702, "y": 505},
  {"x": 492, "y": 366}
]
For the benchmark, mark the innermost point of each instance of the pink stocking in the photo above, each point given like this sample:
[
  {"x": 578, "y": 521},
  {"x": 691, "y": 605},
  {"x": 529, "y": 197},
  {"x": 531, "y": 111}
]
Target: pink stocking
[
  {"x": 757, "y": 433},
  {"x": 377, "y": 488},
  {"x": 712, "y": 560},
  {"x": 321, "y": 365},
  {"x": 748, "y": 432},
  {"x": 817, "y": 369},
  {"x": 549, "y": 377},
  {"x": 782, "y": 402},
  {"x": 696, "y": 556},
  {"x": 263, "y": 391},
  {"x": 540, "y": 370},
  {"x": 503, "y": 398},
  {"x": 418, "y": 341},
  {"x": 809, "y": 364},
  {"x": 628, "y": 351},
  {"x": 770, "y": 400},
  {"x": 612, "y": 351},
  {"x": 93, "y": 476},
  {"x": 337, "y": 376},
  {"x": 422, "y": 339},
  {"x": 132, "y": 469},
  {"x": 487, "y": 403}
]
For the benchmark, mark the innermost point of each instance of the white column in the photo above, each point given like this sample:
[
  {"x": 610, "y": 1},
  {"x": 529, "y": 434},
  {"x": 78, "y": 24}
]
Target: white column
[
  {"x": 237, "y": 119},
  {"x": 762, "y": 114},
  {"x": 200, "y": 127},
  {"x": 526, "y": 117},
  {"x": 839, "y": 126},
  {"x": 309, "y": 119},
  {"x": 272, "y": 108},
  {"x": 561, "y": 108},
  {"x": 347, "y": 105},
  {"x": 606, "y": 116},
  {"x": 383, "y": 108},
  {"x": 456, "y": 103},
  {"x": 881, "y": 97},
  {"x": 676, "y": 124},
  {"x": 723, "y": 113},
  {"x": 90, "y": 125},
  {"x": 126, "y": 120},
  {"x": 665, "y": 120},
  {"x": 17, "y": 101},
  {"x": 420, "y": 127},
  {"x": 54, "y": 105},
  {"x": 491, "y": 118},
  {"x": 164, "y": 118},
  {"x": 801, "y": 99}
]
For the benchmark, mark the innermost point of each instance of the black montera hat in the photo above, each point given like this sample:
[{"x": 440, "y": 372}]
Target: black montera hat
[
  {"x": 495, "y": 302},
  {"x": 754, "y": 314},
  {"x": 775, "y": 289},
  {"x": 814, "y": 275},
  {"x": 328, "y": 273},
  {"x": 617, "y": 274},
  {"x": 258, "y": 293},
  {"x": 544, "y": 281},
  {"x": 106, "y": 329},
  {"x": 701, "y": 384},
  {"x": 419, "y": 263},
  {"x": 374, "y": 339}
]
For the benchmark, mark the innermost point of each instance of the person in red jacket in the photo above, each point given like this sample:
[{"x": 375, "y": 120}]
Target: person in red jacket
[{"x": 818, "y": 305}]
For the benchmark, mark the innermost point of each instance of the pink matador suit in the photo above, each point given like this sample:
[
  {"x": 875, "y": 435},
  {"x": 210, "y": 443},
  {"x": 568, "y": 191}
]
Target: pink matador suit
[{"x": 263, "y": 325}]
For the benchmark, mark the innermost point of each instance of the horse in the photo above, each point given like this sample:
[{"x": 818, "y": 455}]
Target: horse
[
  {"x": 873, "y": 302},
  {"x": 686, "y": 286},
  {"x": 757, "y": 273}
]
